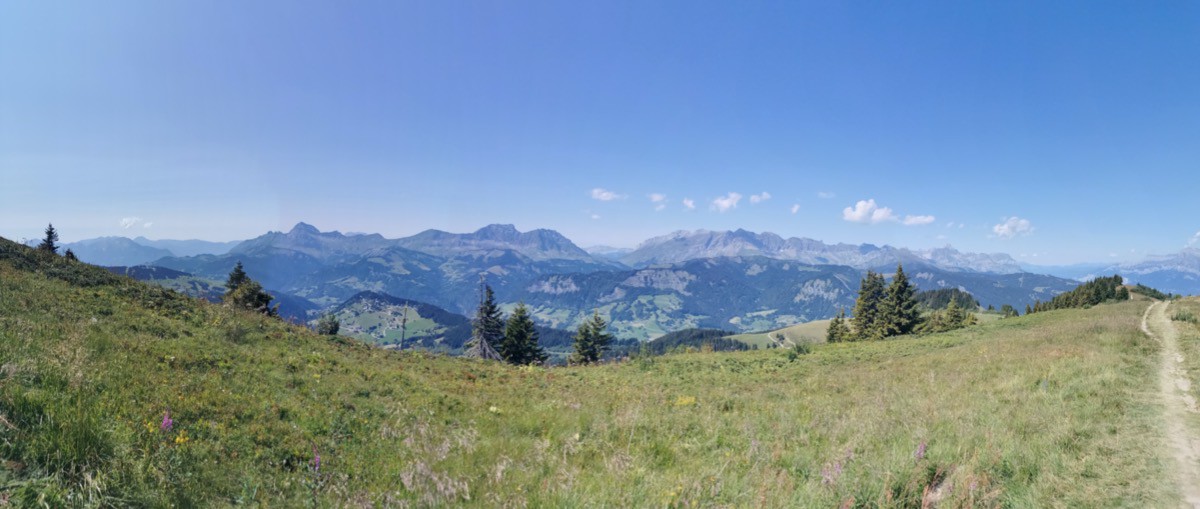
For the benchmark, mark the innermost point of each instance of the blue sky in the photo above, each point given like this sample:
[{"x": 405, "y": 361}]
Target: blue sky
[{"x": 1065, "y": 130}]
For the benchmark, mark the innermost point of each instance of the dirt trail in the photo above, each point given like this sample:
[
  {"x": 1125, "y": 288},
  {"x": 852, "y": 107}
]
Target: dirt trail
[{"x": 1174, "y": 386}]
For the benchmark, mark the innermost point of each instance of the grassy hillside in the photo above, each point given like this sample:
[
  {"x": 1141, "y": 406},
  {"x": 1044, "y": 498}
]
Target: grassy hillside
[
  {"x": 808, "y": 332},
  {"x": 1046, "y": 410}
]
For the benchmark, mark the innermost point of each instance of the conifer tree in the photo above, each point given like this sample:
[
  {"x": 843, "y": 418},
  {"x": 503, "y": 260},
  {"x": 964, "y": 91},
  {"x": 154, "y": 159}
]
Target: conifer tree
[
  {"x": 520, "y": 343},
  {"x": 243, "y": 292},
  {"x": 50, "y": 242},
  {"x": 487, "y": 329},
  {"x": 868, "y": 308},
  {"x": 955, "y": 316},
  {"x": 70, "y": 255},
  {"x": 899, "y": 313},
  {"x": 1028, "y": 310},
  {"x": 237, "y": 276},
  {"x": 591, "y": 340},
  {"x": 838, "y": 330}
]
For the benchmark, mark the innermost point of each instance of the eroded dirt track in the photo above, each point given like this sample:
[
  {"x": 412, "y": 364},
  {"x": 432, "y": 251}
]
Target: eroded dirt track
[{"x": 1175, "y": 386}]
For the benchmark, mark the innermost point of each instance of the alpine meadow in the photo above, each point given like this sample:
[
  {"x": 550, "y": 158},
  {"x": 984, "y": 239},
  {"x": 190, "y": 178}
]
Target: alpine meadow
[{"x": 599, "y": 255}]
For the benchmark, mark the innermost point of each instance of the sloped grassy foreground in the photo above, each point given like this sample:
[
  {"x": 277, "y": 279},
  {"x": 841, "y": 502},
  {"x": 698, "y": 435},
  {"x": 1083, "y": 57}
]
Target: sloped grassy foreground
[{"x": 1045, "y": 410}]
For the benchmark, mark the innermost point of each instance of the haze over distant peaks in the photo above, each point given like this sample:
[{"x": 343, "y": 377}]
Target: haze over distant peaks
[
  {"x": 690, "y": 245},
  {"x": 540, "y": 244}
]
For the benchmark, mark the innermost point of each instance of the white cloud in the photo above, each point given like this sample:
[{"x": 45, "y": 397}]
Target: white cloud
[
  {"x": 603, "y": 194},
  {"x": 147, "y": 225},
  {"x": 918, "y": 220},
  {"x": 942, "y": 237},
  {"x": 825, "y": 195},
  {"x": 1011, "y": 227},
  {"x": 660, "y": 199},
  {"x": 795, "y": 208},
  {"x": 1195, "y": 239},
  {"x": 689, "y": 203},
  {"x": 727, "y": 202},
  {"x": 759, "y": 198},
  {"x": 130, "y": 222},
  {"x": 595, "y": 216},
  {"x": 866, "y": 211}
]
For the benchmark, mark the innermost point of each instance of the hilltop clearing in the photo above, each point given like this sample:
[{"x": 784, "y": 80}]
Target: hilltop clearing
[{"x": 118, "y": 393}]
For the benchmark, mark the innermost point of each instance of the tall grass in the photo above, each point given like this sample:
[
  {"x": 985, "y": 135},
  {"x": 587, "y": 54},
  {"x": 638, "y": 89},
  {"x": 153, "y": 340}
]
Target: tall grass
[{"x": 1046, "y": 410}]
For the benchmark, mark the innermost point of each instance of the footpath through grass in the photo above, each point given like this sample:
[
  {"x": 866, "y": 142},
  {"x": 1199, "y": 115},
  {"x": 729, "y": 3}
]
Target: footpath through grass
[{"x": 1054, "y": 409}]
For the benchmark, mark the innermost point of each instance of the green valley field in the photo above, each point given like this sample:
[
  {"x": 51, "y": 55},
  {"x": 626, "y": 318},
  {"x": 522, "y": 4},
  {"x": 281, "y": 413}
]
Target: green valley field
[{"x": 1056, "y": 409}]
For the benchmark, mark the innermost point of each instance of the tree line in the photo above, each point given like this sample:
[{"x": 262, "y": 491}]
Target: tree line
[
  {"x": 1091, "y": 293},
  {"x": 885, "y": 310}
]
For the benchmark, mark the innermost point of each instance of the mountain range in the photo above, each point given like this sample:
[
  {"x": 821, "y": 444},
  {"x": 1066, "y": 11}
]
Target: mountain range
[
  {"x": 682, "y": 246},
  {"x": 122, "y": 251},
  {"x": 736, "y": 280}
]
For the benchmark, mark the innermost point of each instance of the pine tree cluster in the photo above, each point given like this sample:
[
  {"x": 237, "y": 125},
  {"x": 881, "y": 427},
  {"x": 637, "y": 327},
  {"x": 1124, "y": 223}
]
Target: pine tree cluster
[
  {"x": 885, "y": 310},
  {"x": 514, "y": 341},
  {"x": 592, "y": 340},
  {"x": 1091, "y": 293}
]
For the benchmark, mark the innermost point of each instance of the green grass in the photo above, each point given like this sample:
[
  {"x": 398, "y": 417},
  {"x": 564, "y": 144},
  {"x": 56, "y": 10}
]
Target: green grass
[
  {"x": 1055, "y": 409},
  {"x": 808, "y": 332}
]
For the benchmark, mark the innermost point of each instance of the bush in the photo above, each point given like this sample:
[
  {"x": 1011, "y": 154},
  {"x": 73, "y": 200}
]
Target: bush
[
  {"x": 1184, "y": 315},
  {"x": 798, "y": 349}
]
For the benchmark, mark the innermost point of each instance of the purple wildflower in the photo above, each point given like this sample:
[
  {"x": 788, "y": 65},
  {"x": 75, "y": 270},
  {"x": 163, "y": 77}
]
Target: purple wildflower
[
  {"x": 167, "y": 423},
  {"x": 316, "y": 462},
  {"x": 920, "y": 452}
]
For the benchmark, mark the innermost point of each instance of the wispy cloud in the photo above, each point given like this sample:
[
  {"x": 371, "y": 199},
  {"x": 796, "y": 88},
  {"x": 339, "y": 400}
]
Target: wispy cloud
[
  {"x": 130, "y": 222},
  {"x": 689, "y": 203},
  {"x": 918, "y": 220},
  {"x": 1195, "y": 240},
  {"x": 795, "y": 208},
  {"x": 659, "y": 199},
  {"x": 759, "y": 198},
  {"x": 867, "y": 211},
  {"x": 595, "y": 216},
  {"x": 727, "y": 202},
  {"x": 603, "y": 194},
  {"x": 826, "y": 195},
  {"x": 1011, "y": 227}
]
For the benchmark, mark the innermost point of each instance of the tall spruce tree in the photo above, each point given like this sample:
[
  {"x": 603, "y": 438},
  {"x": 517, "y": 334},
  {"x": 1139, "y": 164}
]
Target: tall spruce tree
[
  {"x": 70, "y": 255},
  {"x": 520, "y": 343},
  {"x": 591, "y": 340},
  {"x": 868, "y": 309},
  {"x": 900, "y": 314},
  {"x": 838, "y": 330},
  {"x": 50, "y": 242},
  {"x": 487, "y": 329},
  {"x": 237, "y": 276}
]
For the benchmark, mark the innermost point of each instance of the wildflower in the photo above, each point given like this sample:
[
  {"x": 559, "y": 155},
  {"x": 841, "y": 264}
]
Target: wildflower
[
  {"x": 167, "y": 423},
  {"x": 919, "y": 454},
  {"x": 316, "y": 462},
  {"x": 493, "y": 409},
  {"x": 182, "y": 438},
  {"x": 685, "y": 401},
  {"x": 830, "y": 473}
]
